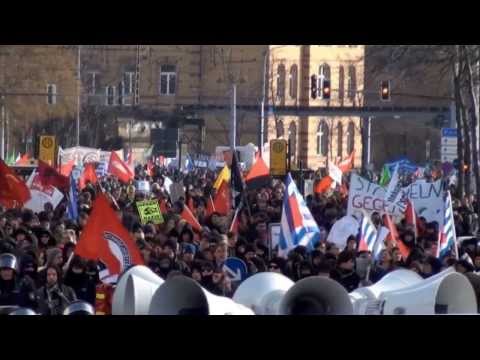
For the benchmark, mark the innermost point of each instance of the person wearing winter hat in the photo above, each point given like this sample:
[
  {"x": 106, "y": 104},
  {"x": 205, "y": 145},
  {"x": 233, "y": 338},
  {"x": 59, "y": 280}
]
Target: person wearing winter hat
[
  {"x": 344, "y": 272},
  {"x": 82, "y": 284},
  {"x": 15, "y": 290}
]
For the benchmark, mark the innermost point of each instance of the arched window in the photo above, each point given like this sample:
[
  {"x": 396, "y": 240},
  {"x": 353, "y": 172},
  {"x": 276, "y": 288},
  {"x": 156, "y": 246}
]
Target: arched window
[
  {"x": 352, "y": 82},
  {"x": 281, "y": 78},
  {"x": 323, "y": 74},
  {"x": 341, "y": 83},
  {"x": 339, "y": 140},
  {"x": 292, "y": 138},
  {"x": 293, "y": 81},
  {"x": 280, "y": 129},
  {"x": 350, "y": 137},
  {"x": 322, "y": 138}
]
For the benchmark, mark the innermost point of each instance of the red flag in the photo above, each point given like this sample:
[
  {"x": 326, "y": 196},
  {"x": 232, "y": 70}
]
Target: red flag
[
  {"x": 411, "y": 217},
  {"x": 66, "y": 169},
  {"x": 210, "y": 206},
  {"x": 191, "y": 219},
  {"x": 89, "y": 175},
  {"x": 164, "y": 206},
  {"x": 12, "y": 188},
  {"x": 50, "y": 176},
  {"x": 223, "y": 202},
  {"x": 323, "y": 185},
  {"x": 150, "y": 168},
  {"x": 393, "y": 236},
  {"x": 119, "y": 169},
  {"x": 105, "y": 239},
  {"x": 347, "y": 164},
  {"x": 235, "y": 222}
]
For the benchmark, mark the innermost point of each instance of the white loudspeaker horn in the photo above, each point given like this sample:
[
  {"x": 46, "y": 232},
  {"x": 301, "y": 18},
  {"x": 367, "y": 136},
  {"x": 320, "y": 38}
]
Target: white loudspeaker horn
[
  {"x": 316, "y": 296},
  {"x": 363, "y": 298},
  {"x": 134, "y": 291},
  {"x": 184, "y": 296},
  {"x": 263, "y": 293},
  {"x": 448, "y": 293}
]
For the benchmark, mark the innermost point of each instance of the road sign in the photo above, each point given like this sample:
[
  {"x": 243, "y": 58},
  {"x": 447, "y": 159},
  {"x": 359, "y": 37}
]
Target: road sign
[
  {"x": 236, "y": 269},
  {"x": 47, "y": 150},
  {"x": 278, "y": 157},
  {"x": 449, "y": 145}
]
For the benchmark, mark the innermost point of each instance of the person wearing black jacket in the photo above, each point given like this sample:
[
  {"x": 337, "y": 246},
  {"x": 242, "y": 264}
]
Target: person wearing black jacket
[
  {"x": 344, "y": 273},
  {"x": 83, "y": 284},
  {"x": 14, "y": 290},
  {"x": 54, "y": 297}
]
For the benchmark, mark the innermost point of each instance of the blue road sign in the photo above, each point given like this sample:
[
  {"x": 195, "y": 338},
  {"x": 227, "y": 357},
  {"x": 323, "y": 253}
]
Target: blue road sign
[
  {"x": 449, "y": 133},
  {"x": 236, "y": 269}
]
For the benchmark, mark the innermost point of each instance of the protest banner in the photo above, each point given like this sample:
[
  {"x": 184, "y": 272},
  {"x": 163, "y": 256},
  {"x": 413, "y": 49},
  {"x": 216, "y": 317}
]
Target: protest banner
[
  {"x": 149, "y": 211},
  {"x": 41, "y": 195}
]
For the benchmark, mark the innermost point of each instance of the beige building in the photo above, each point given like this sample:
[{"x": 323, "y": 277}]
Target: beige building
[{"x": 190, "y": 85}]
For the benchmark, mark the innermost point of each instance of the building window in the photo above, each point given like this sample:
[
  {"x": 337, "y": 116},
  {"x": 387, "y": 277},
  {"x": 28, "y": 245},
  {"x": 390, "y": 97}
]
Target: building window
[
  {"x": 340, "y": 140},
  {"x": 322, "y": 138},
  {"x": 323, "y": 74},
  {"x": 352, "y": 82},
  {"x": 92, "y": 83},
  {"x": 350, "y": 137},
  {"x": 110, "y": 95},
  {"x": 341, "y": 83},
  {"x": 292, "y": 138},
  {"x": 168, "y": 80},
  {"x": 293, "y": 81},
  {"x": 281, "y": 79},
  {"x": 51, "y": 94},
  {"x": 280, "y": 129},
  {"x": 129, "y": 83}
]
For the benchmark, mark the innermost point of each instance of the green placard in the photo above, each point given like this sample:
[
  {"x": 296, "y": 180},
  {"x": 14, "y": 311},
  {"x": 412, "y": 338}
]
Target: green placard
[{"x": 150, "y": 212}]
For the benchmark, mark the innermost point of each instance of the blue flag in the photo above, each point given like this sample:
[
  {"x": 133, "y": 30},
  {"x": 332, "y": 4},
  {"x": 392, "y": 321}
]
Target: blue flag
[{"x": 72, "y": 208}]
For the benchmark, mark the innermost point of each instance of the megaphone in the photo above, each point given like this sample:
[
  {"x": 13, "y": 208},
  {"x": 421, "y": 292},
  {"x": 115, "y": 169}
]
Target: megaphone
[
  {"x": 263, "y": 293},
  {"x": 316, "y": 295},
  {"x": 134, "y": 291},
  {"x": 275, "y": 294},
  {"x": 365, "y": 300},
  {"x": 448, "y": 292},
  {"x": 180, "y": 295}
]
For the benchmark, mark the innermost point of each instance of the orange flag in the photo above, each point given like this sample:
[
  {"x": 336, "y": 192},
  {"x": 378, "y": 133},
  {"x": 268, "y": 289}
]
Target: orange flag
[
  {"x": 323, "y": 185},
  {"x": 191, "y": 219},
  {"x": 24, "y": 160},
  {"x": 89, "y": 175},
  {"x": 106, "y": 240},
  {"x": 258, "y": 176},
  {"x": 118, "y": 168},
  {"x": 66, "y": 169},
  {"x": 223, "y": 199},
  {"x": 347, "y": 164},
  {"x": 12, "y": 188},
  {"x": 393, "y": 236}
]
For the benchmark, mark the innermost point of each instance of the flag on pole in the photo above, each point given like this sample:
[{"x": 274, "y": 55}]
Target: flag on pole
[
  {"x": 394, "y": 236},
  {"x": 258, "y": 176},
  {"x": 12, "y": 188},
  {"x": 89, "y": 175},
  {"x": 188, "y": 216},
  {"x": 50, "y": 176},
  {"x": 323, "y": 185},
  {"x": 347, "y": 165},
  {"x": 119, "y": 169},
  {"x": 224, "y": 175},
  {"x": 106, "y": 240},
  {"x": 447, "y": 239},
  {"x": 298, "y": 227},
  {"x": 368, "y": 234},
  {"x": 223, "y": 200}
]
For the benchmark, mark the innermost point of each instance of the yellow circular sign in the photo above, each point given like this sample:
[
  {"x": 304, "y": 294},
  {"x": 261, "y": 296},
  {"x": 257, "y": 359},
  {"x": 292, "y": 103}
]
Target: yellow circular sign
[{"x": 47, "y": 143}]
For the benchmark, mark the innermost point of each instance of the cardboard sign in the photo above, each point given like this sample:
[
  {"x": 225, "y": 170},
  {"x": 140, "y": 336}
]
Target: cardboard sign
[
  {"x": 149, "y": 211},
  {"x": 176, "y": 192},
  {"x": 47, "y": 150},
  {"x": 278, "y": 157},
  {"x": 426, "y": 197}
]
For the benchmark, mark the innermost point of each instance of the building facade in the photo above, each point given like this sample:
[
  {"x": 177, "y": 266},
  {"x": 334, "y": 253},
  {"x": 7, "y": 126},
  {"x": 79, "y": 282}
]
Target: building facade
[{"x": 190, "y": 86}]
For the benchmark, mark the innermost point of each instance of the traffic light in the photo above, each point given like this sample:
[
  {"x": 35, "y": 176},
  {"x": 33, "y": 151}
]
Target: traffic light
[
  {"x": 314, "y": 86},
  {"x": 326, "y": 90},
  {"x": 385, "y": 91}
]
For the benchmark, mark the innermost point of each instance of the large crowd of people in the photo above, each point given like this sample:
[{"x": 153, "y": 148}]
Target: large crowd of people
[{"x": 39, "y": 270}]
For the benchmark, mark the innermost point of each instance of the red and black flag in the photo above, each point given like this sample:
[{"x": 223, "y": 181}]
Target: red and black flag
[
  {"x": 50, "y": 176},
  {"x": 259, "y": 175}
]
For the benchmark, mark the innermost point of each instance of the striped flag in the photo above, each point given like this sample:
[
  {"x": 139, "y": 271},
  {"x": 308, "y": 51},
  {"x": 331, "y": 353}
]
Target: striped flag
[
  {"x": 298, "y": 228},
  {"x": 447, "y": 238},
  {"x": 368, "y": 234}
]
